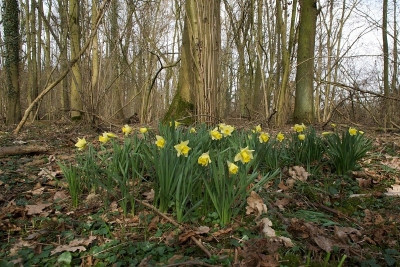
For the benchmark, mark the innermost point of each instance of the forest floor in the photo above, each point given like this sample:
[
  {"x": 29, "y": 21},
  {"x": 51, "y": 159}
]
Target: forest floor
[{"x": 326, "y": 219}]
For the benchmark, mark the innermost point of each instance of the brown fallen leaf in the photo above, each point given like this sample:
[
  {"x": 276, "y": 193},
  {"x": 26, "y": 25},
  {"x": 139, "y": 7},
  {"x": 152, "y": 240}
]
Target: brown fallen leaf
[
  {"x": 323, "y": 242},
  {"x": 74, "y": 245},
  {"x": 63, "y": 248},
  {"x": 36, "y": 209},
  {"x": 153, "y": 223},
  {"x": 202, "y": 230},
  {"x": 255, "y": 204},
  {"x": 281, "y": 203},
  {"x": 364, "y": 183},
  {"x": 149, "y": 196},
  {"x": 298, "y": 173},
  {"x": 185, "y": 236},
  {"x": 59, "y": 195},
  {"x": 267, "y": 230},
  {"x": 83, "y": 241},
  {"x": 284, "y": 187}
]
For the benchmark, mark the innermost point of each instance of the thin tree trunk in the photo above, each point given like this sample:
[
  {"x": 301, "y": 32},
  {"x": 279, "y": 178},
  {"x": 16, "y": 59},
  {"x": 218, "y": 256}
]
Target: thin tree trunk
[
  {"x": 386, "y": 88},
  {"x": 10, "y": 16},
  {"x": 76, "y": 83},
  {"x": 304, "y": 101}
]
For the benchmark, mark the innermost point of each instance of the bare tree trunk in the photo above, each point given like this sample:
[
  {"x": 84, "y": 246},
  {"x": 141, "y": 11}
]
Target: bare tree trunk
[
  {"x": 10, "y": 16},
  {"x": 62, "y": 5},
  {"x": 304, "y": 101},
  {"x": 199, "y": 71},
  {"x": 287, "y": 46},
  {"x": 386, "y": 89},
  {"x": 95, "y": 65},
  {"x": 76, "y": 84}
]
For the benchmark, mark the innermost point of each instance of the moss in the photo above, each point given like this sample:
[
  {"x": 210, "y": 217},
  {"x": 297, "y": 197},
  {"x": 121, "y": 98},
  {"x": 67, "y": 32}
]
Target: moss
[{"x": 179, "y": 109}]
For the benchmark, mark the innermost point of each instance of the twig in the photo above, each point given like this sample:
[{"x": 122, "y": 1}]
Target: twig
[
  {"x": 194, "y": 239},
  {"x": 189, "y": 263},
  {"x": 336, "y": 212},
  {"x": 394, "y": 124}
]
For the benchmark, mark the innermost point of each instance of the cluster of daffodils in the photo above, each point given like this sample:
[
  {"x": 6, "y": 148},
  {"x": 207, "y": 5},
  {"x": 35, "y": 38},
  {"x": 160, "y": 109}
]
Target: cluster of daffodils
[
  {"x": 107, "y": 136},
  {"x": 299, "y": 129},
  {"x": 352, "y": 131},
  {"x": 222, "y": 130}
]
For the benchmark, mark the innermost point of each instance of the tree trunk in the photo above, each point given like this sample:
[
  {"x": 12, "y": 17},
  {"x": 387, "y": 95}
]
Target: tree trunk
[
  {"x": 10, "y": 18},
  {"x": 199, "y": 71},
  {"x": 62, "y": 6},
  {"x": 76, "y": 84},
  {"x": 386, "y": 89},
  {"x": 304, "y": 101},
  {"x": 95, "y": 66},
  {"x": 287, "y": 46}
]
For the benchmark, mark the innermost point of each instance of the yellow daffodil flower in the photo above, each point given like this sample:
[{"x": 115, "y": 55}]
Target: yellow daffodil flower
[
  {"x": 280, "y": 137},
  {"x": 143, "y": 130},
  {"x": 326, "y": 133},
  {"x": 299, "y": 127},
  {"x": 104, "y": 138},
  {"x": 258, "y": 129},
  {"x": 226, "y": 130},
  {"x": 263, "y": 138},
  {"x": 81, "y": 144},
  {"x": 182, "y": 148},
  {"x": 233, "y": 168},
  {"x": 176, "y": 124},
  {"x": 160, "y": 141},
  {"x": 204, "y": 159},
  {"x": 110, "y": 135},
  {"x": 193, "y": 130},
  {"x": 126, "y": 129},
  {"x": 245, "y": 155},
  {"x": 301, "y": 137},
  {"x": 215, "y": 134},
  {"x": 361, "y": 132},
  {"x": 352, "y": 131}
]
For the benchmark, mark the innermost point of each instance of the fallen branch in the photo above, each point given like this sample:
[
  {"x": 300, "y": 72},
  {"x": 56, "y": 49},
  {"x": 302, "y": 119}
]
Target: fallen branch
[
  {"x": 194, "y": 239},
  {"x": 17, "y": 150}
]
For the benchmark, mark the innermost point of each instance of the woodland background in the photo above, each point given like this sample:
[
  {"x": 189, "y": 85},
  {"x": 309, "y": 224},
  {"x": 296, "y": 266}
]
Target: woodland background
[{"x": 138, "y": 61}]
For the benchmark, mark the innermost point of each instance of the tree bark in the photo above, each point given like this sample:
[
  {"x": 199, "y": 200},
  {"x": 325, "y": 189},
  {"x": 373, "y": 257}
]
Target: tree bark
[
  {"x": 12, "y": 44},
  {"x": 76, "y": 84},
  {"x": 199, "y": 71},
  {"x": 304, "y": 100}
]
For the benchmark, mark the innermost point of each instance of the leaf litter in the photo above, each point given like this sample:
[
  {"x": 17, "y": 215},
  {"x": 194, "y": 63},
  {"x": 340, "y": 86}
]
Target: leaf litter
[{"x": 372, "y": 220}]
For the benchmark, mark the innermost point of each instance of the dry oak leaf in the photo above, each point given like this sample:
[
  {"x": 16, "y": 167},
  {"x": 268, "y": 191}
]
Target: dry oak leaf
[
  {"x": 83, "y": 241},
  {"x": 284, "y": 187},
  {"x": 298, "y": 173},
  {"x": 343, "y": 234},
  {"x": 67, "y": 248},
  {"x": 202, "y": 230},
  {"x": 74, "y": 245},
  {"x": 281, "y": 203},
  {"x": 59, "y": 195},
  {"x": 266, "y": 227},
  {"x": 36, "y": 209},
  {"x": 185, "y": 236},
  {"x": 255, "y": 204},
  {"x": 323, "y": 242},
  {"x": 149, "y": 195}
]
